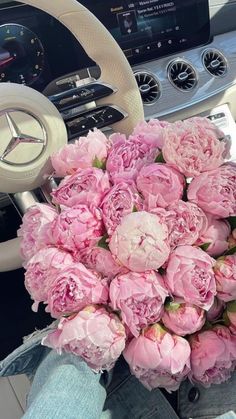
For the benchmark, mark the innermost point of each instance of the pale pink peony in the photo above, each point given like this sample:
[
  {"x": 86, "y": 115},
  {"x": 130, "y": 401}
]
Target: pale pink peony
[
  {"x": 93, "y": 334},
  {"x": 86, "y": 186},
  {"x": 40, "y": 269},
  {"x": 33, "y": 229},
  {"x": 205, "y": 124},
  {"x": 213, "y": 356},
  {"x": 127, "y": 156},
  {"x": 190, "y": 276},
  {"x": 192, "y": 148},
  {"x": 215, "y": 191},
  {"x": 183, "y": 319},
  {"x": 160, "y": 185},
  {"x": 185, "y": 222},
  {"x": 159, "y": 359},
  {"x": 140, "y": 242},
  {"x": 86, "y": 152},
  {"x": 73, "y": 288},
  {"x": 216, "y": 310},
  {"x": 216, "y": 236},
  {"x": 231, "y": 315},
  {"x": 122, "y": 199},
  {"x": 102, "y": 261},
  {"x": 225, "y": 275},
  {"x": 152, "y": 131},
  {"x": 77, "y": 228},
  {"x": 139, "y": 297}
]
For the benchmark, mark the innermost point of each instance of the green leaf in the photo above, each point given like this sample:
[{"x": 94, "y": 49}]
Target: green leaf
[
  {"x": 160, "y": 158},
  {"x": 172, "y": 306},
  {"x": 99, "y": 164},
  {"x": 207, "y": 326},
  {"x": 231, "y": 306},
  {"x": 135, "y": 209},
  {"x": 226, "y": 319},
  {"x": 231, "y": 251},
  {"x": 205, "y": 246},
  {"x": 103, "y": 242},
  {"x": 232, "y": 221}
]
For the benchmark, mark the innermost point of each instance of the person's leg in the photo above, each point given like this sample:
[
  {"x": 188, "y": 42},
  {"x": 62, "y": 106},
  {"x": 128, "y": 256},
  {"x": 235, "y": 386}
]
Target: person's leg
[{"x": 64, "y": 387}]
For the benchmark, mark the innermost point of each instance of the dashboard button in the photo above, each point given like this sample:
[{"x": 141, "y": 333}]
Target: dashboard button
[
  {"x": 99, "y": 117},
  {"x": 81, "y": 95}
]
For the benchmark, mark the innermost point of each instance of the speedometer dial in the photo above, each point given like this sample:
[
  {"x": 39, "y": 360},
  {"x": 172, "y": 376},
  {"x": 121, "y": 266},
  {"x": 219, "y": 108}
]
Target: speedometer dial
[{"x": 21, "y": 54}]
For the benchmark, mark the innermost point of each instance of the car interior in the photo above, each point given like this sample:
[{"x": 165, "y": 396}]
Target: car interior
[{"x": 67, "y": 67}]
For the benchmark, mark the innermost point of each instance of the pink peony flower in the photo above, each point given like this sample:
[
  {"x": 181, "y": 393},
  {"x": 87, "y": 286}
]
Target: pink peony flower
[
  {"x": 215, "y": 191},
  {"x": 158, "y": 359},
  {"x": 139, "y": 297},
  {"x": 183, "y": 319},
  {"x": 206, "y": 124},
  {"x": 93, "y": 334},
  {"x": 32, "y": 231},
  {"x": 140, "y": 242},
  {"x": 73, "y": 288},
  {"x": 231, "y": 315},
  {"x": 122, "y": 199},
  {"x": 40, "y": 269},
  {"x": 102, "y": 261},
  {"x": 127, "y": 156},
  {"x": 216, "y": 310},
  {"x": 77, "y": 228},
  {"x": 216, "y": 235},
  {"x": 85, "y": 152},
  {"x": 152, "y": 131},
  {"x": 86, "y": 186},
  {"x": 225, "y": 275},
  {"x": 160, "y": 184},
  {"x": 185, "y": 222},
  {"x": 213, "y": 355},
  {"x": 192, "y": 148},
  {"x": 190, "y": 276}
]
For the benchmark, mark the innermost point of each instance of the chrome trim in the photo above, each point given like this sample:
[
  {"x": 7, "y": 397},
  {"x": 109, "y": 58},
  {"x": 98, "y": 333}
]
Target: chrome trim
[
  {"x": 155, "y": 78},
  {"x": 23, "y": 200},
  {"x": 18, "y": 137},
  {"x": 180, "y": 60},
  {"x": 205, "y": 51}
]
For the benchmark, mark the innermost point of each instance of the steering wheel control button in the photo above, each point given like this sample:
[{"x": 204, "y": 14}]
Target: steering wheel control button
[
  {"x": 194, "y": 395},
  {"x": 100, "y": 117},
  {"x": 23, "y": 137},
  {"x": 81, "y": 95}
]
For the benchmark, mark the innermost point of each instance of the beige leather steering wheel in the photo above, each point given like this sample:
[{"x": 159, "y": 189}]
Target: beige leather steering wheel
[{"x": 25, "y": 154}]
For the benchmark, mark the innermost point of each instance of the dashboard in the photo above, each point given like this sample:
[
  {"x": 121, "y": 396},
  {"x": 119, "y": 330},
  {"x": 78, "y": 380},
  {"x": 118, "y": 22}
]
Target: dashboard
[
  {"x": 182, "y": 52},
  {"x": 171, "y": 44}
]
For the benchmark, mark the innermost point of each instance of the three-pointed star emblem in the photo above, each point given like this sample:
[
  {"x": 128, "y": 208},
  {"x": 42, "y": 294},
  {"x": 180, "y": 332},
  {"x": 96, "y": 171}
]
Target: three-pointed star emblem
[{"x": 18, "y": 137}]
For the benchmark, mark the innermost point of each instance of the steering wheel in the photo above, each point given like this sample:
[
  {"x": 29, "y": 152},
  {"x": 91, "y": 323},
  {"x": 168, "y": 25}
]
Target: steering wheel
[{"x": 44, "y": 130}]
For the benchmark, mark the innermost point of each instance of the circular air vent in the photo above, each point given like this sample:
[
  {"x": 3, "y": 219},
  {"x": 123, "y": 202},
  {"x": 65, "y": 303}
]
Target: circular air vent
[
  {"x": 214, "y": 62},
  {"x": 182, "y": 75},
  {"x": 149, "y": 87}
]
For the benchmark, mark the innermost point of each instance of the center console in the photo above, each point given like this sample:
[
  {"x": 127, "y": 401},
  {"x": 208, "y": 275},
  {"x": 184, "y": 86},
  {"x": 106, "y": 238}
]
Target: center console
[{"x": 151, "y": 29}]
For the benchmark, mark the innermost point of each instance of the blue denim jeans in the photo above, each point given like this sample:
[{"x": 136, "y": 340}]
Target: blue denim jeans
[{"x": 63, "y": 387}]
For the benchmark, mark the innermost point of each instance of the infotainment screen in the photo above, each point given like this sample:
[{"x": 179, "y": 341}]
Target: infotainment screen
[{"x": 149, "y": 29}]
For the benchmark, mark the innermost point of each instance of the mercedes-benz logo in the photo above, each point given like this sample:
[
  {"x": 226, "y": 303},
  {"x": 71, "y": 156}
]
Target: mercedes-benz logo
[{"x": 22, "y": 137}]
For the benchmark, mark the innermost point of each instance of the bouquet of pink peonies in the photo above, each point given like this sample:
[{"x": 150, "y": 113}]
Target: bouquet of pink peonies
[{"x": 137, "y": 254}]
